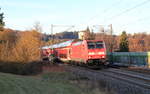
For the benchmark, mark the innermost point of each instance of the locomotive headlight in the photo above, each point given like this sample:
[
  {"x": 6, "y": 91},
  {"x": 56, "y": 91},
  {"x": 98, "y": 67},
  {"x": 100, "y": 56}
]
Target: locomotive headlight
[
  {"x": 100, "y": 53},
  {"x": 103, "y": 56},
  {"x": 91, "y": 53}
]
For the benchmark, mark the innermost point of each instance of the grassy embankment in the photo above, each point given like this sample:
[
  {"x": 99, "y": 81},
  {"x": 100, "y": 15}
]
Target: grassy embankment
[{"x": 48, "y": 83}]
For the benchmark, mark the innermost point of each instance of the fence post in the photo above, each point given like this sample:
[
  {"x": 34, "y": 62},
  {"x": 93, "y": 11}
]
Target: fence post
[{"x": 148, "y": 57}]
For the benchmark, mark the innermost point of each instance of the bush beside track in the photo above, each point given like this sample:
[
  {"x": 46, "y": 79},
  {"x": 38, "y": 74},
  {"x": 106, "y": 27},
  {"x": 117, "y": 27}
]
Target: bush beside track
[{"x": 30, "y": 68}]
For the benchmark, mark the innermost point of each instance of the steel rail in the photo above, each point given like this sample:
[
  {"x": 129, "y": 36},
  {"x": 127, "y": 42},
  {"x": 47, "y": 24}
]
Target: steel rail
[
  {"x": 131, "y": 79},
  {"x": 129, "y": 74}
]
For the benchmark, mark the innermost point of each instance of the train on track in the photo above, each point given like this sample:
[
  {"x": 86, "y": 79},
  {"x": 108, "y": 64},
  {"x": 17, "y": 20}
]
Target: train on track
[{"x": 91, "y": 52}]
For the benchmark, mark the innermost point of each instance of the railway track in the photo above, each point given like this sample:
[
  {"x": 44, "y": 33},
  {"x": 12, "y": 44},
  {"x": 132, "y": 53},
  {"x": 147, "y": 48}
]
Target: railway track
[
  {"x": 129, "y": 77},
  {"x": 132, "y": 74},
  {"x": 139, "y": 70}
]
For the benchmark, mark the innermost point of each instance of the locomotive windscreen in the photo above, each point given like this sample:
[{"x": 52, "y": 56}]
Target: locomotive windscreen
[{"x": 95, "y": 45}]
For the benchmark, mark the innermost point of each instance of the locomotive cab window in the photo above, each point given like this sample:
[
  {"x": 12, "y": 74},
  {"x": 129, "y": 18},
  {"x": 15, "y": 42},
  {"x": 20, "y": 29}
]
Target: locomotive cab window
[
  {"x": 99, "y": 44},
  {"x": 93, "y": 45}
]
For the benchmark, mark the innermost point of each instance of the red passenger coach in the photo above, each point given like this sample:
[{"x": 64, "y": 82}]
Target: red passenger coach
[{"x": 81, "y": 51}]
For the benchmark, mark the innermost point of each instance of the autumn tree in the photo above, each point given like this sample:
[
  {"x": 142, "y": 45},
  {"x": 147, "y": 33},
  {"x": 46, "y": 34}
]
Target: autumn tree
[
  {"x": 139, "y": 42},
  {"x": 37, "y": 27},
  {"x": 124, "y": 45},
  {"x": 8, "y": 39},
  {"x": 27, "y": 48},
  {"x": 89, "y": 35},
  {"x": 1, "y": 21}
]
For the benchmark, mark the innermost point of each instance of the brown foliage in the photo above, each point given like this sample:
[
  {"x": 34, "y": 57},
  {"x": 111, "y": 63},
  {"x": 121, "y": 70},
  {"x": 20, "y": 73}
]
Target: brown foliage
[
  {"x": 27, "y": 48},
  {"x": 88, "y": 35},
  {"x": 20, "y": 46},
  {"x": 139, "y": 42},
  {"x": 20, "y": 51},
  {"x": 8, "y": 41}
]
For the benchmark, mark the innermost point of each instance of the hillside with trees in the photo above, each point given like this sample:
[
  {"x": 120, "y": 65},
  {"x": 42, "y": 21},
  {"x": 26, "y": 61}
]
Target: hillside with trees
[{"x": 138, "y": 42}]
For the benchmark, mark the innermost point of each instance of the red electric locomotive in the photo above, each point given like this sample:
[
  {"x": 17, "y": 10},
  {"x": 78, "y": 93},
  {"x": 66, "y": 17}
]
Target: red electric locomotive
[{"x": 82, "y": 51}]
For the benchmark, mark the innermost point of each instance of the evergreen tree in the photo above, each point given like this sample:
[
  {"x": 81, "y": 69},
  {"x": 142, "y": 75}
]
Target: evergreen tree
[
  {"x": 1, "y": 21},
  {"x": 124, "y": 45}
]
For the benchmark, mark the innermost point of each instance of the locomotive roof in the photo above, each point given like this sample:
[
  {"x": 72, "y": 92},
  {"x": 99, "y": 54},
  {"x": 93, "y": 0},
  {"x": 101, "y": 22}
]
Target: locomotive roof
[{"x": 63, "y": 44}]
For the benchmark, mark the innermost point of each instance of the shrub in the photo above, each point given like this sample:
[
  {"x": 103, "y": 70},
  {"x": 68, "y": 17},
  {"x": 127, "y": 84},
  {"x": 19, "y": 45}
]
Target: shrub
[
  {"x": 21, "y": 68},
  {"x": 19, "y": 51}
]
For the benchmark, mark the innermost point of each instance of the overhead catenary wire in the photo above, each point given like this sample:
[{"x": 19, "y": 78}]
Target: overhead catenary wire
[
  {"x": 105, "y": 10},
  {"x": 125, "y": 11},
  {"x": 128, "y": 10},
  {"x": 138, "y": 20}
]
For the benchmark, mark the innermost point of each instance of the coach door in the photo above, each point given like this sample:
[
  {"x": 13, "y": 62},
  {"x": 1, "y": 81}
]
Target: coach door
[{"x": 69, "y": 53}]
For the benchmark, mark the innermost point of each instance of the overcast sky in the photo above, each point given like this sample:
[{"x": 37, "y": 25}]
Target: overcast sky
[{"x": 130, "y": 15}]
